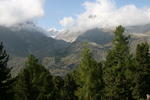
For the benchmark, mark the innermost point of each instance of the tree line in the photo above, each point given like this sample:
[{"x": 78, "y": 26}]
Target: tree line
[{"x": 122, "y": 76}]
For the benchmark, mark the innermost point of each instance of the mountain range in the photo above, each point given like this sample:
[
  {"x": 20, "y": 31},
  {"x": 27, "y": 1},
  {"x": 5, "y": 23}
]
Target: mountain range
[{"x": 59, "y": 51}]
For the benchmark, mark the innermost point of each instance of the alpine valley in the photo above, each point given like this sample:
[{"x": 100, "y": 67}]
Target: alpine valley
[{"x": 60, "y": 51}]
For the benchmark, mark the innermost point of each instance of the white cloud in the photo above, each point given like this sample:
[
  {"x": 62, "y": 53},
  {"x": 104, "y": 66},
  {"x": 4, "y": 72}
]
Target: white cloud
[
  {"x": 105, "y": 13},
  {"x": 67, "y": 22},
  {"x": 53, "y": 29},
  {"x": 18, "y": 11}
]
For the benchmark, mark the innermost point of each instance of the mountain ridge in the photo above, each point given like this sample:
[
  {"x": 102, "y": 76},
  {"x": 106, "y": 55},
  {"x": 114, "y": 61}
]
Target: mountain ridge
[{"x": 56, "y": 55}]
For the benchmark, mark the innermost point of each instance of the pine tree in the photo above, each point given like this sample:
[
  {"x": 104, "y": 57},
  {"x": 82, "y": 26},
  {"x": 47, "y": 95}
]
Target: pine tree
[
  {"x": 70, "y": 87},
  {"x": 142, "y": 72},
  {"x": 117, "y": 68},
  {"x": 58, "y": 93},
  {"x": 90, "y": 78},
  {"x": 34, "y": 82},
  {"x": 5, "y": 76}
]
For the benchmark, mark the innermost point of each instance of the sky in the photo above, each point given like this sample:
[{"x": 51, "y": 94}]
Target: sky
[
  {"x": 75, "y": 14},
  {"x": 55, "y": 10}
]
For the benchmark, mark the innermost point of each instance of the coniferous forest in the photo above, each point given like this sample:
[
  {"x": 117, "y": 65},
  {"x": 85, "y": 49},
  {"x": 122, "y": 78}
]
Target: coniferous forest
[{"x": 123, "y": 75}]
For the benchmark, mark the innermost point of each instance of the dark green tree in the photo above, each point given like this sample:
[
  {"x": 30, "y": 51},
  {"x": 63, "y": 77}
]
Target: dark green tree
[
  {"x": 34, "y": 82},
  {"x": 142, "y": 72},
  {"x": 58, "y": 84},
  {"x": 70, "y": 87},
  {"x": 90, "y": 78},
  {"x": 117, "y": 70},
  {"x": 5, "y": 76}
]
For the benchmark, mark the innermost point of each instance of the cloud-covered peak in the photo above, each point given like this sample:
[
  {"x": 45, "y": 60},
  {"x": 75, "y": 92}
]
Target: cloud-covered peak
[
  {"x": 18, "y": 11},
  {"x": 53, "y": 29},
  {"x": 52, "y": 32}
]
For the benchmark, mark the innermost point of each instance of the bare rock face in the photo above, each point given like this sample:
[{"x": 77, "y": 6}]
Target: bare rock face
[{"x": 68, "y": 35}]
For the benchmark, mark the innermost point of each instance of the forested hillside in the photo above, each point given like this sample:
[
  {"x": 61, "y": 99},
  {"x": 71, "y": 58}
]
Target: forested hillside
[{"x": 122, "y": 75}]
